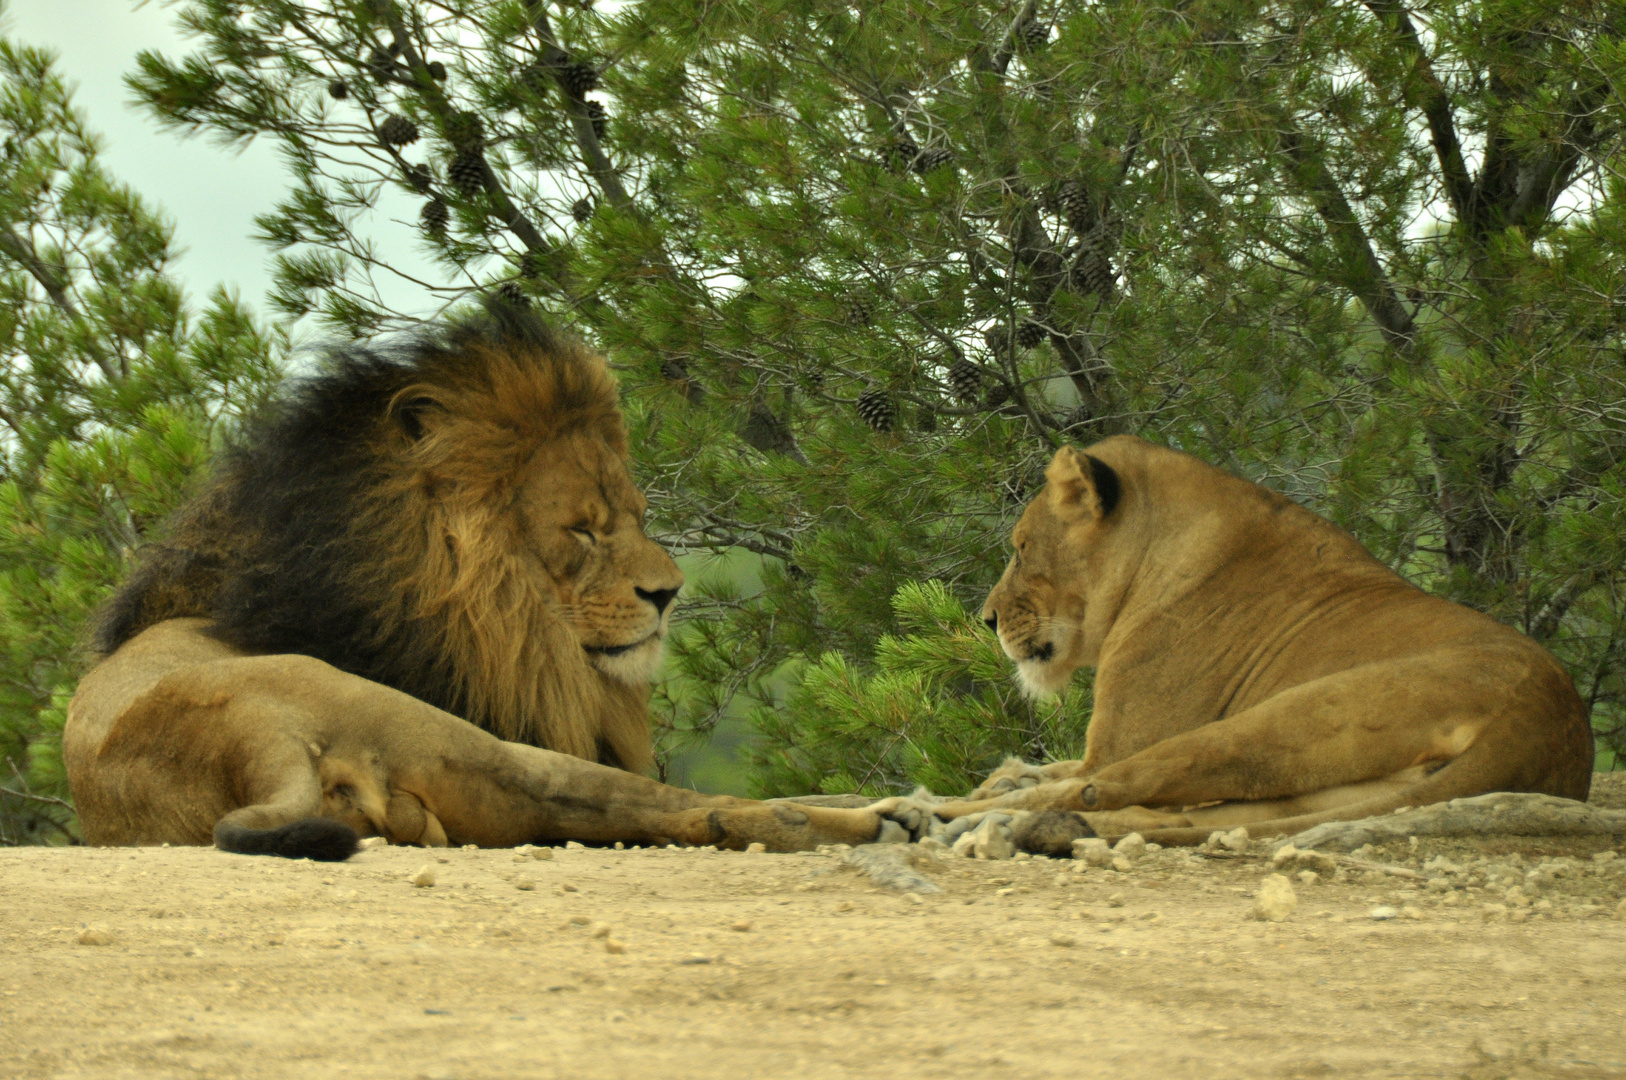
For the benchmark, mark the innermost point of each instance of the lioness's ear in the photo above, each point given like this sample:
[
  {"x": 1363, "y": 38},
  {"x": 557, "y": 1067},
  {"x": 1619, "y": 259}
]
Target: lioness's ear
[
  {"x": 409, "y": 411},
  {"x": 1078, "y": 484}
]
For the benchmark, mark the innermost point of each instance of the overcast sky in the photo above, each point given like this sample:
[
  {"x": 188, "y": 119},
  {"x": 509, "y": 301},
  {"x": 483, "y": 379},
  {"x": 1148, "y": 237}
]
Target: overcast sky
[{"x": 211, "y": 194}]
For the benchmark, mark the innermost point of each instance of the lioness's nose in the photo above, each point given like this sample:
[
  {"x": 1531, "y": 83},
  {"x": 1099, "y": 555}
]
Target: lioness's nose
[
  {"x": 993, "y": 622},
  {"x": 661, "y": 598}
]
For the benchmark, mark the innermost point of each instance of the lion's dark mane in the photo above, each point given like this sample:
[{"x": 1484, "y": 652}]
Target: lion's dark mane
[{"x": 266, "y": 549}]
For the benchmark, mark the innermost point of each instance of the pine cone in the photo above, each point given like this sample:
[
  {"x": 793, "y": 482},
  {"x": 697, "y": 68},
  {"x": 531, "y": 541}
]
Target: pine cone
[
  {"x": 858, "y": 313},
  {"x": 1076, "y": 419},
  {"x": 876, "y": 409},
  {"x": 534, "y": 264},
  {"x": 998, "y": 394},
  {"x": 1030, "y": 334},
  {"x": 965, "y": 380},
  {"x": 419, "y": 177},
  {"x": 581, "y": 209},
  {"x": 579, "y": 77},
  {"x": 435, "y": 216},
  {"x": 465, "y": 131},
  {"x": 996, "y": 340},
  {"x": 900, "y": 155},
  {"x": 599, "y": 119},
  {"x": 926, "y": 420},
  {"x": 467, "y": 172},
  {"x": 437, "y": 70},
  {"x": 1077, "y": 206},
  {"x": 536, "y": 77},
  {"x": 397, "y": 131},
  {"x": 1033, "y": 35},
  {"x": 338, "y": 90},
  {"x": 927, "y": 160},
  {"x": 381, "y": 65},
  {"x": 511, "y": 294},
  {"x": 675, "y": 370}
]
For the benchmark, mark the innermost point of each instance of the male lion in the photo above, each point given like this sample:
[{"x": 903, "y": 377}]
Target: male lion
[
  {"x": 1254, "y": 665},
  {"x": 418, "y": 570}
]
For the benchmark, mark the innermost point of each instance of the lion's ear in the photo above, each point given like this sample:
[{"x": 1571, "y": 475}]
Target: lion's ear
[
  {"x": 411, "y": 412},
  {"x": 1080, "y": 485}
]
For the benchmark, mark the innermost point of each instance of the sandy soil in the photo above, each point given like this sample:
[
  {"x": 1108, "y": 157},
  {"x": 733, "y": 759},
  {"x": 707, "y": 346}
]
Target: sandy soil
[{"x": 190, "y": 962}]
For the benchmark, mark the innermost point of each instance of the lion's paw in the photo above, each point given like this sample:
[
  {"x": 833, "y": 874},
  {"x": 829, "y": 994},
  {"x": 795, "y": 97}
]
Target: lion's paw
[
  {"x": 1011, "y": 776},
  {"x": 903, "y": 819}
]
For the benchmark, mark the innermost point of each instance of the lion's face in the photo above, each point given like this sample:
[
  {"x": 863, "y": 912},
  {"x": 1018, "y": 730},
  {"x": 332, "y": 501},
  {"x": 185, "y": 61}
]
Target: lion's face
[
  {"x": 583, "y": 524},
  {"x": 1038, "y": 609}
]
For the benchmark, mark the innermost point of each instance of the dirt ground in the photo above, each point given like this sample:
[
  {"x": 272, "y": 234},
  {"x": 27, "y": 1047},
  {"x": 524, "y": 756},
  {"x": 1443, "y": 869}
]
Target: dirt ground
[{"x": 188, "y": 962}]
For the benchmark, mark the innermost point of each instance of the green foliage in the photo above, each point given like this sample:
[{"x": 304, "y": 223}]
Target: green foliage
[
  {"x": 936, "y": 709},
  {"x": 110, "y": 396},
  {"x": 1367, "y": 256}
]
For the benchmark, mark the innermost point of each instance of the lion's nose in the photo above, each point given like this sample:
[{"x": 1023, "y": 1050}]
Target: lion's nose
[
  {"x": 993, "y": 623},
  {"x": 661, "y": 598}
]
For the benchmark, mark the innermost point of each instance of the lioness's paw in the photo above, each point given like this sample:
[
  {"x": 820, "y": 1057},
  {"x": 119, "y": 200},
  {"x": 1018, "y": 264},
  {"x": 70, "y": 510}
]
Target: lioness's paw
[{"x": 1012, "y": 775}]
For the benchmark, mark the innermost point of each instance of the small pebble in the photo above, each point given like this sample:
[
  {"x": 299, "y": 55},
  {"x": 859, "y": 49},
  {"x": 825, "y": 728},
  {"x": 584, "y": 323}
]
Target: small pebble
[
  {"x": 756, "y": 847},
  {"x": 695, "y": 958},
  {"x": 914, "y": 898},
  {"x": 425, "y": 877},
  {"x": 524, "y": 884},
  {"x": 611, "y": 945},
  {"x": 94, "y": 935},
  {"x": 572, "y": 845},
  {"x": 1308, "y": 877},
  {"x": 740, "y": 925},
  {"x": 370, "y": 842},
  {"x": 1383, "y": 913},
  {"x": 1092, "y": 851},
  {"x": 1122, "y": 863},
  {"x": 619, "y": 846},
  {"x": 1132, "y": 846},
  {"x": 1275, "y": 900},
  {"x": 471, "y": 847},
  {"x": 1063, "y": 941},
  {"x": 600, "y": 929},
  {"x": 579, "y": 920},
  {"x": 1115, "y": 900},
  {"x": 568, "y": 887},
  {"x": 1235, "y": 840}
]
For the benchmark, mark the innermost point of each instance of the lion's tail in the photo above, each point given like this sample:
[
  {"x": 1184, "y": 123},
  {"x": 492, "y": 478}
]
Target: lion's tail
[{"x": 321, "y": 839}]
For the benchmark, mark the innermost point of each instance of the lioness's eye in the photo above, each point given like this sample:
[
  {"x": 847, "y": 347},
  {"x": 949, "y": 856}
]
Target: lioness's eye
[{"x": 585, "y": 536}]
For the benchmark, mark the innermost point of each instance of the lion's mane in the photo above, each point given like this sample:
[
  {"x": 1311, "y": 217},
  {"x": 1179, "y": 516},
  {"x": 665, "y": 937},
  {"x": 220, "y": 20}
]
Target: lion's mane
[{"x": 315, "y": 534}]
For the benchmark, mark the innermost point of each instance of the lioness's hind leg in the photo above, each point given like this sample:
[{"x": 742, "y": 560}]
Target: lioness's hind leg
[{"x": 284, "y": 822}]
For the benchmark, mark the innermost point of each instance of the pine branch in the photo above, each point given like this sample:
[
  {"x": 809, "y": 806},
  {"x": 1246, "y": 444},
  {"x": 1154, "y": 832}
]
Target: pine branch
[
  {"x": 1431, "y": 95},
  {"x": 581, "y": 123},
  {"x": 20, "y": 250}
]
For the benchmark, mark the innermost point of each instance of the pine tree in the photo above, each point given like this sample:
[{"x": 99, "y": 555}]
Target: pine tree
[
  {"x": 1202, "y": 230},
  {"x": 111, "y": 396}
]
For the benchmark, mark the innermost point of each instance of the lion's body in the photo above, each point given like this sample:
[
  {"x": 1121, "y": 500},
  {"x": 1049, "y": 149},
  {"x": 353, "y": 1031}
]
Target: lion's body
[
  {"x": 416, "y": 600},
  {"x": 1255, "y": 665}
]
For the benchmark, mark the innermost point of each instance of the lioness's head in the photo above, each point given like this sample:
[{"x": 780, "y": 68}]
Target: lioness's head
[{"x": 1039, "y": 607}]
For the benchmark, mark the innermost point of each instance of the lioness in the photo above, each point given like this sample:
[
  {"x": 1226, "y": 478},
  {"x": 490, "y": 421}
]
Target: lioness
[
  {"x": 1254, "y": 665},
  {"x": 419, "y": 570}
]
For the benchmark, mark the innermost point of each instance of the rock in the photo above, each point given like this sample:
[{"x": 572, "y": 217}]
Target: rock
[
  {"x": 1275, "y": 900},
  {"x": 756, "y": 848},
  {"x": 578, "y": 920},
  {"x": 991, "y": 839},
  {"x": 1492, "y": 911},
  {"x": 611, "y": 945},
  {"x": 367, "y": 843},
  {"x": 94, "y": 935},
  {"x": 1308, "y": 877},
  {"x": 1092, "y": 851},
  {"x": 599, "y": 929},
  {"x": 1411, "y": 911},
  {"x": 1115, "y": 900},
  {"x": 531, "y": 851},
  {"x": 1235, "y": 840},
  {"x": 568, "y": 887},
  {"x": 1289, "y": 857},
  {"x": 1383, "y": 913},
  {"x": 425, "y": 877},
  {"x": 740, "y": 926},
  {"x": 1516, "y": 898},
  {"x": 1439, "y": 864},
  {"x": 891, "y": 866},
  {"x": 1122, "y": 863},
  {"x": 1132, "y": 846},
  {"x": 524, "y": 884},
  {"x": 572, "y": 845},
  {"x": 1063, "y": 941},
  {"x": 931, "y": 845},
  {"x": 1152, "y": 848}
]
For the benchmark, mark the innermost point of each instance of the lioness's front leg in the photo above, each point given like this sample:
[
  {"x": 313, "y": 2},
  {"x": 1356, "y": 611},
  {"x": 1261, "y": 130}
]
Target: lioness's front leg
[{"x": 1014, "y": 773}]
